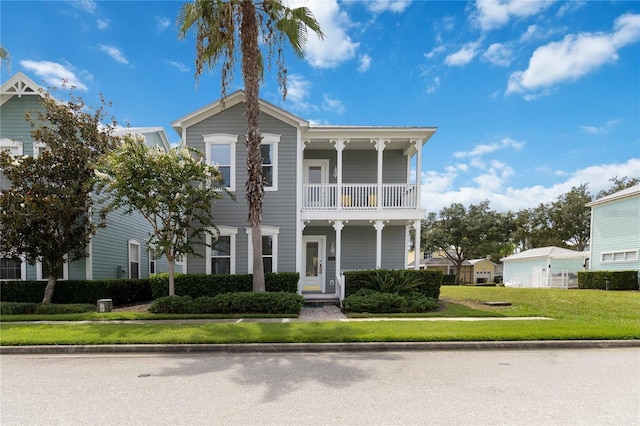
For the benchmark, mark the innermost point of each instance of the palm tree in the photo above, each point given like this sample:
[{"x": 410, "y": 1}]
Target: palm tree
[{"x": 219, "y": 25}]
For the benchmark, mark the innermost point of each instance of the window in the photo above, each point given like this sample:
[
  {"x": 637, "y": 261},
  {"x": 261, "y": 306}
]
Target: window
[
  {"x": 38, "y": 148},
  {"x": 220, "y": 252},
  {"x": 269, "y": 248},
  {"x": 42, "y": 273},
  {"x": 152, "y": 261},
  {"x": 221, "y": 151},
  {"x": 134, "y": 259},
  {"x": 14, "y": 147},
  {"x": 427, "y": 255},
  {"x": 619, "y": 256},
  {"x": 11, "y": 269},
  {"x": 269, "y": 152}
]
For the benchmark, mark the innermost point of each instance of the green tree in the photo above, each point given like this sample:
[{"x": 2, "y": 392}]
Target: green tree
[
  {"x": 571, "y": 218},
  {"x": 618, "y": 185},
  {"x": 5, "y": 58},
  {"x": 45, "y": 214},
  {"x": 173, "y": 191},
  {"x": 459, "y": 232},
  {"x": 260, "y": 27}
]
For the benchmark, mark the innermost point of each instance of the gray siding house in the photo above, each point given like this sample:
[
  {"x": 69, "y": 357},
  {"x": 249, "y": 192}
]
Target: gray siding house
[
  {"x": 337, "y": 198},
  {"x": 117, "y": 251},
  {"x": 615, "y": 231}
]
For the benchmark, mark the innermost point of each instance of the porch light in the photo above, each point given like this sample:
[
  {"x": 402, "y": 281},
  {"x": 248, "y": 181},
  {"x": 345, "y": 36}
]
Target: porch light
[
  {"x": 335, "y": 171},
  {"x": 332, "y": 249}
]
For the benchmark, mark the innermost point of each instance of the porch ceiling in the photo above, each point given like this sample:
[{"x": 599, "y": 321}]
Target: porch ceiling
[
  {"x": 391, "y": 222},
  {"x": 355, "y": 144}
]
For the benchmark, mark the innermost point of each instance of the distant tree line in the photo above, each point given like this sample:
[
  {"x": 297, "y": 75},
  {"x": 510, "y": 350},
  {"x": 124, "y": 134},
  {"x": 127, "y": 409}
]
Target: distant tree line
[{"x": 462, "y": 233}]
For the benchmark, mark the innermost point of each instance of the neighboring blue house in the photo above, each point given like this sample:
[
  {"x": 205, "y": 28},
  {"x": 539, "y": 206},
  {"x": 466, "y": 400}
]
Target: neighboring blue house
[
  {"x": 615, "y": 231},
  {"x": 337, "y": 197},
  {"x": 117, "y": 251},
  {"x": 544, "y": 267}
]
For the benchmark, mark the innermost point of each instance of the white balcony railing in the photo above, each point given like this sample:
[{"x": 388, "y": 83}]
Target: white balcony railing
[{"x": 358, "y": 196}]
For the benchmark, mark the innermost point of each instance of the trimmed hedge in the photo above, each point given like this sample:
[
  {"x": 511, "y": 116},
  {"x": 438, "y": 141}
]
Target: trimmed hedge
[
  {"x": 385, "y": 303},
  {"x": 230, "y": 303},
  {"x": 20, "y": 308},
  {"x": 122, "y": 291},
  {"x": 448, "y": 280},
  {"x": 429, "y": 281},
  {"x": 618, "y": 280},
  {"x": 199, "y": 285}
]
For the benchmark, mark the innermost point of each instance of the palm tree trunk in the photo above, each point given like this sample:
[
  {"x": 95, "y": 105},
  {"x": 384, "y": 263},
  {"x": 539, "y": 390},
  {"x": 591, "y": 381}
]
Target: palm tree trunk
[{"x": 254, "y": 186}]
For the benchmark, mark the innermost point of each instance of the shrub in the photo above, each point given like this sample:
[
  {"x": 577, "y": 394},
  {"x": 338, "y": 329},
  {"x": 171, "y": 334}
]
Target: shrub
[
  {"x": 20, "y": 308},
  {"x": 230, "y": 303},
  {"x": 386, "y": 281},
  {"x": 429, "y": 281},
  {"x": 375, "y": 302},
  {"x": 448, "y": 280},
  {"x": 419, "y": 303},
  {"x": 198, "y": 285},
  {"x": 618, "y": 280},
  {"x": 121, "y": 291}
]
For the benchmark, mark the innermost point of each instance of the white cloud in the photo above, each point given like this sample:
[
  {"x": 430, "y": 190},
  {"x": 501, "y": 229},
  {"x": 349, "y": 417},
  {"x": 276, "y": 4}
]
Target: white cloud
[
  {"x": 88, "y": 6},
  {"x": 498, "y": 54},
  {"x": 574, "y": 56},
  {"x": 337, "y": 47},
  {"x": 333, "y": 105},
  {"x": 598, "y": 130},
  {"x": 365, "y": 63},
  {"x": 464, "y": 55},
  {"x": 435, "y": 51},
  {"x": 162, "y": 23},
  {"x": 103, "y": 24},
  {"x": 570, "y": 7},
  {"x": 438, "y": 188},
  {"x": 482, "y": 149},
  {"x": 54, "y": 73},
  {"x": 379, "y": 6},
  {"x": 115, "y": 53},
  {"x": 492, "y": 14},
  {"x": 179, "y": 65},
  {"x": 298, "y": 92},
  {"x": 433, "y": 85}
]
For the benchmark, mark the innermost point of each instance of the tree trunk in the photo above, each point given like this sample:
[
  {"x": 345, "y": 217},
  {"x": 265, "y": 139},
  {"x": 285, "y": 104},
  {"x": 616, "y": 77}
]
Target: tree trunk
[
  {"x": 458, "y": 273},
  {"x": 172, "y": 267},
  {"x": 48, "y": 290},
  {"x": 254, "y": 186}
]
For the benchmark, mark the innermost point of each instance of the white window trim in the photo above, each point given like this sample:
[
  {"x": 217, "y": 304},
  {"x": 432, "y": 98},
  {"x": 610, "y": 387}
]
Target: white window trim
[
  {"x": 224, "y": 231},
  {"x": 65, "y": 271},
  {"x": 272, "y": 231},
  {"x": 273, "y": 140},
  {"x": 625, "y": 260},
  {"x": 136, "y": 243},
  {"x": 223, "y": 139},
  {"x": 23, "y": 272},
  {"x": 10, "y": 143},
  {"x": 38, "y": 147}
]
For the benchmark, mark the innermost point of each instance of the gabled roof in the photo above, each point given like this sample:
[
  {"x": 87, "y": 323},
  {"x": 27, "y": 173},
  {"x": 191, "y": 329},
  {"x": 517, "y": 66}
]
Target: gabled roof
[
  {"x": 547, "y": 252},
  {"x": 232, "y": 100},
  {"x": 476, "y": 261},
  {"x": 18, "y": 85},
  {"x": 629, "y": 192},
  {"x": 144, "y": 131}
]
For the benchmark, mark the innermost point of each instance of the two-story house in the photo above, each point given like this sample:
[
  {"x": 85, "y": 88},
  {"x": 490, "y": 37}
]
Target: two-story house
[
  {"x": 336, "y": 197},
  {"x": 117, "y": 251}
]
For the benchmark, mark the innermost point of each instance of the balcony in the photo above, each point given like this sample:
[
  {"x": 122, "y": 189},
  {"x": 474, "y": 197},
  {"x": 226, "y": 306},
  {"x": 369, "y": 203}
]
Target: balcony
[{"x": 359, "y": 196}]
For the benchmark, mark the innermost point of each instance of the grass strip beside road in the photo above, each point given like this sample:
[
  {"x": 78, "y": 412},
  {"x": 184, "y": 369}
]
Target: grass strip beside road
[{"x": 577, "y": 314}]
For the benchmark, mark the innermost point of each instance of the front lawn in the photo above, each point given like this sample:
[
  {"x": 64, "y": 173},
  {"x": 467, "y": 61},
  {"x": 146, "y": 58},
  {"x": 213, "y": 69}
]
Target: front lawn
[{"x": 577, "y": 314}]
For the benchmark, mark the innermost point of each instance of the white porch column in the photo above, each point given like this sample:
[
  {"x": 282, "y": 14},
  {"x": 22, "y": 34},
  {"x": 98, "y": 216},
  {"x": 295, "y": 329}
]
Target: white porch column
[
  {"x": 338, "y": 225},
  {"x": 380, "y": 143},
  {"x": 379, "y": 226},
  {"x": 418, "y": 172},
  {"x": 340, "y": 144},
  {"x": 416, "y": 245}
]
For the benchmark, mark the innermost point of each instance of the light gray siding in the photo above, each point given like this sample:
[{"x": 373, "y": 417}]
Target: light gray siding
[
  {"x": 14, "y": 125},
  {"x": 616, "y": 228},
  {"x": 279, "y": 207},
  {"x": 362, "y": 166}
]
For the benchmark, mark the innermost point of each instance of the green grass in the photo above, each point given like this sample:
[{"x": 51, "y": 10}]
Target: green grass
[
  {"x": 132, "y": 316},
  {"x": 577, "y": 314}
]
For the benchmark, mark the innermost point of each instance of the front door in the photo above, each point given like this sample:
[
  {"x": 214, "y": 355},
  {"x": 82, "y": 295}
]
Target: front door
[
  {"x": 313, "y": 266},
  {"x": 316, "y": 176}
]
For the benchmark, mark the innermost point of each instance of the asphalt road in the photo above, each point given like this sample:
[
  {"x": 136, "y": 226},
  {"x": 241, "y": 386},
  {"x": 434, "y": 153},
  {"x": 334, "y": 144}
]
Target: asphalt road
[{"x": 527, "y": 387}]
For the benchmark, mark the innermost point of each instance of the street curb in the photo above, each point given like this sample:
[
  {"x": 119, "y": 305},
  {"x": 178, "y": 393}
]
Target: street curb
[{"x": 316, "y": 347}]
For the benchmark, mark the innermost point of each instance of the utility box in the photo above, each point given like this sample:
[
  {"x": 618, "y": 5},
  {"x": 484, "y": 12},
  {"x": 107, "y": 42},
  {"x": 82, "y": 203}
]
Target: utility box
[{"x": 105, "y": 305}]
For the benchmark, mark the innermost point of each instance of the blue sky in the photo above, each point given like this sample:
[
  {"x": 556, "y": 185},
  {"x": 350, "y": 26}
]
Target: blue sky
[{"x": 529, "y": 97}]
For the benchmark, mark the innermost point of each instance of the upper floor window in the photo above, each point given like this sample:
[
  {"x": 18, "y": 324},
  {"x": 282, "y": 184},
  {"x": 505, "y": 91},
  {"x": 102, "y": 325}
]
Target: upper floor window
[
  {"x": 14, "y": 147},
  {"x": 221, "y": 251},
  {"x": 427, "y": 255},
  {"x": 269, "y": 152},
  {"x": 221, "y": 150},
  {"x": 39, "y": 148},
  {"x": 42, "y": 272},
  {"x": 152, "y": 261}
]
